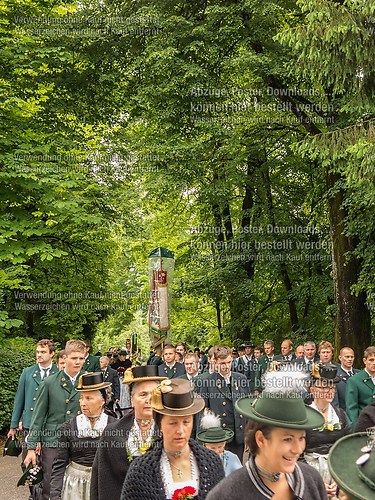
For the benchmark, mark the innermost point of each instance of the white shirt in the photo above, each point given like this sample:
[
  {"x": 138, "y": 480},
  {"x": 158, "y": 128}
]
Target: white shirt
[
  {"x": 166, "y": 474},
  {"x": 72, "y": 379},
  {"x": 371, "y": 377},
  {"x": 42, "y": 371},
  {"x": 347, "y": 371}
]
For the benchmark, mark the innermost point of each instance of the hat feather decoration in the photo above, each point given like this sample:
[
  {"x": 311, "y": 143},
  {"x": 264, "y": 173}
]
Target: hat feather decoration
[
  {"x": 128, "y": 376},
  {"x": 210, "y": 420},
  {"x": 315, "y": 370},
  {"x": 286, "y": 379},
  {"x": 156, "y": 395}
]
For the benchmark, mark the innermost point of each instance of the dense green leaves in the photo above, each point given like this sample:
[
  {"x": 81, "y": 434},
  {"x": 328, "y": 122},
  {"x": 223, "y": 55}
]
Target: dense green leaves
[{"x": 210, "y": 129}]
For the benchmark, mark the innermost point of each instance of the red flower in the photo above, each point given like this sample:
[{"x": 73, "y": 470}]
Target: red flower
[{"x": 186, "y": 493}]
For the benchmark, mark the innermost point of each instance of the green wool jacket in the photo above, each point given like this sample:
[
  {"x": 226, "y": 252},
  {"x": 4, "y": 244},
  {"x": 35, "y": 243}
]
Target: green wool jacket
[
  {"x": 360, "y": 392},
  {"x": 26, "y": 395},
  {"x": 58, "y": 401},
  {"x": 91, "y": 364}
]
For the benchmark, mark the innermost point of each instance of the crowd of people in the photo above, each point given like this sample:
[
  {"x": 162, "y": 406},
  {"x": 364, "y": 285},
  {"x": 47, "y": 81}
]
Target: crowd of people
[{"x": 233, "y": 423}]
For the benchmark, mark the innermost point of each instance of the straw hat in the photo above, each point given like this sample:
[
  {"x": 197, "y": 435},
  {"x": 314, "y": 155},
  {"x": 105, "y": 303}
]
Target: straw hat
[{"x": 176, "y": 397}]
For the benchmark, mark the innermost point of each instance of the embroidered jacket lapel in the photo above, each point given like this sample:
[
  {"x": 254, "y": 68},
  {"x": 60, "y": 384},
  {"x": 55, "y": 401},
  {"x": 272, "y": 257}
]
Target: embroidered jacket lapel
[
  {"x": 66, "y": 383},
  {"x": 36, "y": 375},
  {"x": 368, "y": 381}
]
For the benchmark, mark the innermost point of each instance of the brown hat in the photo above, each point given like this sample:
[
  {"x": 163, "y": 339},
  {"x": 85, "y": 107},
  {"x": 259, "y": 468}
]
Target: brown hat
[
  {"x": 92, "y": 381},
  {"x": 176, "y": 397},
  {"x": 142, "y": 374}
]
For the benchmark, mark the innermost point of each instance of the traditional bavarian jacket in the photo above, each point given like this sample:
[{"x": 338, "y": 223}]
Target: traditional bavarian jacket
[
  {"x": 305, "y": 483},
  {"x": 27, "y": 394},
  {"x": 177, "y": 370}
]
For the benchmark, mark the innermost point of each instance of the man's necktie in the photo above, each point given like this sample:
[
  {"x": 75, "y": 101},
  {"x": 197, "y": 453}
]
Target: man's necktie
[{"x": 44, "y": 375}]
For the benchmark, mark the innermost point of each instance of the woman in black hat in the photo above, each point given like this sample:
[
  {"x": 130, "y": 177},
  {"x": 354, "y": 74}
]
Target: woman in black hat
[
  {"x": 336, "y": 425},
  {"x": 275, "y": 436},
  {"x": 78, "y": 441},
  {"x": 177, "y": 466},
  {"x": 127, "y": 438}
]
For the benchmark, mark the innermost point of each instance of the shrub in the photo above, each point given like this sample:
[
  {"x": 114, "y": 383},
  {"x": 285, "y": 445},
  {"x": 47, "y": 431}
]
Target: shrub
[{"x": 15, "y": 355}]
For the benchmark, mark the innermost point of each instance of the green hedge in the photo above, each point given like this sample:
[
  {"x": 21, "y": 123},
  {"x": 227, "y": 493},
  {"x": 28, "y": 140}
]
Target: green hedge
[{"x": 15, "y": 355}]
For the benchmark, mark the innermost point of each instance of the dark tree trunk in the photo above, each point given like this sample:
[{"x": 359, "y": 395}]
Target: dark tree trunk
[
  {"x": 353, "y": 322},
  {"x": 292, "y": 304},
  {"x": 247, "y": 206}
]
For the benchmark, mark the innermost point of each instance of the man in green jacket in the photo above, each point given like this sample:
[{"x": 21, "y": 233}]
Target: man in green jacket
[
  {"x": 360, "y": 389},
  {"x": 58, "y": 401},
  {"x": 91, "y": 363},
  {"x": 28, "y": 389}
]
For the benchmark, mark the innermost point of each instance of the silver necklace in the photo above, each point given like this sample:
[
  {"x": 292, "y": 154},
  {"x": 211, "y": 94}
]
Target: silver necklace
[
  {"x": 273, "y": 477},
  {"x": 176, "y": 454}
]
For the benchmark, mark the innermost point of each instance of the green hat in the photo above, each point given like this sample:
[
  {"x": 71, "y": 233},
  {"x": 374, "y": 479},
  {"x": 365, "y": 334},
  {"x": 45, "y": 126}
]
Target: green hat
[
  {"x": 352, "y": 465},
  {"x": 12, "y": 447},
  {"x": 32, "y": 475},
  {"x": 281, "y": 403},
  {"x": 212, "y": 432},
  {"x": 280, "y": 411},
  {"x": 215, "y": 435}
]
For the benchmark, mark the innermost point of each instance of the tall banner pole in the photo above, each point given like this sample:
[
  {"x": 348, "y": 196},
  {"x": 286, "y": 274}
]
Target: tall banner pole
[{"x": 160, "y": 274}]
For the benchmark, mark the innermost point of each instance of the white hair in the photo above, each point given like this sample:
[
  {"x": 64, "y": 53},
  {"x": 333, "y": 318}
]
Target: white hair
[{"x": 286, "y": 379}]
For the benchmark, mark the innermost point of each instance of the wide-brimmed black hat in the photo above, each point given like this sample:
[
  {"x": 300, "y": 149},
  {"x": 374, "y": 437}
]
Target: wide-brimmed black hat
[
  {"x": 352, "y": 465},
  {"x": 92, "y": 381},
  {"x": 324, "y": 372},
  {"x": 176, "y": 397},
  {"x": 32, "y": 475},
  {"x": 142, "y": 374},
  {"x": 12, "y": 447}
]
